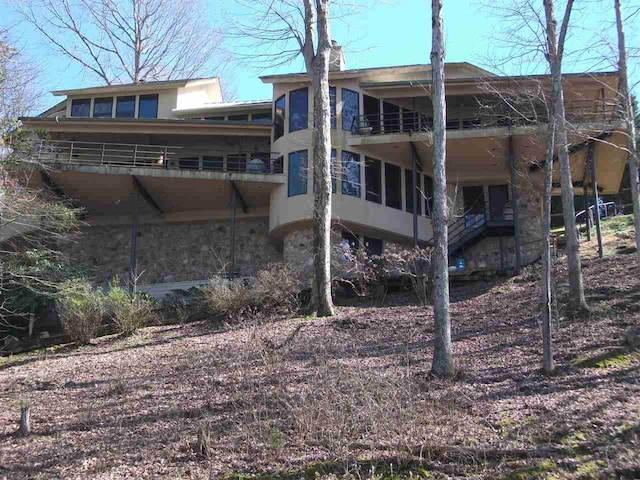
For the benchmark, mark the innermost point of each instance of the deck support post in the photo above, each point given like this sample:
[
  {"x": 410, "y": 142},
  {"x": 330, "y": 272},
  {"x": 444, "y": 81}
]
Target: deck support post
[
  {"x": 414, "y": 191},
  {"x": 133, "y": 258},
  {"x": 501, "y": 253},
  {"x": 591, "y": 153},
  {"x": 515, "y": 203},
  {"x": 232, "y": 235}
]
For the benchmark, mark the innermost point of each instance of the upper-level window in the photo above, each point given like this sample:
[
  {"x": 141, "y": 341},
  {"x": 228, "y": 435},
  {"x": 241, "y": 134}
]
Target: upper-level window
[
  {"x": 126, "y": 107},
  {"x": 333, "y": 170},
  {"x": 279, "y": 116},
  {"x": 408, "y": 181},
  {"x": 148, "y": 106},
  {"x": 261, "y": 117},
  {"x": 393, "y": 185},
  {"x": 350, "y": 174},
  {"x": 373, "y": 180},
  {"x": 103, "y": 107},
  {"x": 428, "y": 195},
  {"x": 350, "y": 108},
  {"x": 239, "y": 118},
  {"x": 373, "y": 246},
  {"x": 80, "y": 107},
  {"x": 297, "y": 178},
  {"x": 298, "y": 109},
  {"x": 332, "y": 105},
  {"x": 371, "y": 113},
  {"x": 390, "y": 117}
]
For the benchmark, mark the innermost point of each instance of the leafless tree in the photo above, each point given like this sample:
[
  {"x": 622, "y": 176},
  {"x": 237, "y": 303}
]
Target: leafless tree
[
  {"x": 442, "y": 357},
  {"x": 626, "y": 108},
  {"x": 130, "y": 40}
]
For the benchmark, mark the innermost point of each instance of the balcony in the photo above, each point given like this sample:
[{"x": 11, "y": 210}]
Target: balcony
[
  {"x": 155, "y": 157},
  {"x": 408, "y": 121}
]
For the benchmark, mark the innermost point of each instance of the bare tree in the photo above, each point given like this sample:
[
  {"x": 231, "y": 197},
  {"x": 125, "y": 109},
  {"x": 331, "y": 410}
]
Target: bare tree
[
  {"x": 130, "y": 40},
  {"x": 442, "y": 358},
  {"x": 626, "y": 106},
  {"x": 555, "y": 50}
]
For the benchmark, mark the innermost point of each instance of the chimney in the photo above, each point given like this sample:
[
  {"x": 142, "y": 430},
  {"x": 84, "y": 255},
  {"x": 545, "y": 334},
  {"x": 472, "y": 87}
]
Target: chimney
[{"x": 336, "y": 57}]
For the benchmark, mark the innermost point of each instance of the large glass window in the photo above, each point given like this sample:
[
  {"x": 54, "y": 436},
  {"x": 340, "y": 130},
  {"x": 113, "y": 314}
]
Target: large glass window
[
  {"x": 148, "y": 106},
  {"x": 393, "y": 185},
  {"x": 333, "y": 170},
  {"x": 126, "y": 107},
  {"x": 103, "y": 107},
  {"x": 81, "y": 107},
  {"x": 408, "y": 180},
  {"x": 428, "y": 195},
  {"x": 239, "y": 118},
  {"x": 390, "y": 117},
  {"x": 373, "y": 179},
  {"x": 350, "y": 109},
  {"x": 373, "y": 246},
  {"x": 279, "y": 113},
  {"x": 350, "y": 174},
  {"x": 297, "y": 181},
  {"x": 219, "y": 118},
  {"x": 332, "y": 105},
  {"x": 298, "y": 109},
  {"x": 261, "y": 117},
  {"x": 372, "y": 113}
]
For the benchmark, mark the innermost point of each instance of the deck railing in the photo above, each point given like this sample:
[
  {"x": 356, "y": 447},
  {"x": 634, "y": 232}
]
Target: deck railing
[
  {"x": 408, "y": 121},
  {"x": 169, "y": 157}
]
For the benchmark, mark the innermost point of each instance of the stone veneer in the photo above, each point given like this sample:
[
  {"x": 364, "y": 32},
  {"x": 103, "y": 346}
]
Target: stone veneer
[{"x": 173, "y": 252}]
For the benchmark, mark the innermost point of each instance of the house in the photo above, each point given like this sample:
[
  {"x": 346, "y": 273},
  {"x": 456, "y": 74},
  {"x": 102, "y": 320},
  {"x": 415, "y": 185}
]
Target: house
[{"x": 180, "y": 185}]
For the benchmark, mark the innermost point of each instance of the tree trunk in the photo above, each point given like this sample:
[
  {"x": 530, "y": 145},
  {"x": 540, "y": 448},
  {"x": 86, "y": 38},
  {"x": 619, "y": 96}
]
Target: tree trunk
[
  {"x": 321, "y": 148},
  {"x": 555, "y": 50},
  {"x": 442, "y": 361},
  {"x": 624, "y": 100},
  {"x": 547, "y": 315},
  {"x": 25, "y": 421}
]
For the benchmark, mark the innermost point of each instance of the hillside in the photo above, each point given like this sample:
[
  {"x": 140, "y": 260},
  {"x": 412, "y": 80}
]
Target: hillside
[{"x": 348, "y": 397}]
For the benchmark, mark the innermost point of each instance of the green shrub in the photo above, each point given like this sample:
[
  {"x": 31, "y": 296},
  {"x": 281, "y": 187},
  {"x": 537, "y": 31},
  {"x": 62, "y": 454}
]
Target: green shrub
[
  {"x": 82, "y": 309},
  {"x": 229, "y": 298},
  {"x": 277, "y": 287},
  {"x": 128, "y": 312}
]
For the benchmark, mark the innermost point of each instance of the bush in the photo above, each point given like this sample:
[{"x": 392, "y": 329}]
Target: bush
[
  {"x": 277, "y": 287},
  {"x": 229, "y": 298},
  {"x": 128, "y": 312},
  {"x": 82, "y": 309}
]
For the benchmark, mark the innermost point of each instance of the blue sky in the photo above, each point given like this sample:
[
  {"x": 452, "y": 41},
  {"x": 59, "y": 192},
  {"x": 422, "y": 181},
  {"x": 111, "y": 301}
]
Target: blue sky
[{"x": 387, "y": 32}]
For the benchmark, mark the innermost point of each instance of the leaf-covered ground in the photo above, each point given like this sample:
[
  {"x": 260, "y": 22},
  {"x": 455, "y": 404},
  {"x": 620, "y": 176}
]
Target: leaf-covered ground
[{"x": 347, "y": 397}]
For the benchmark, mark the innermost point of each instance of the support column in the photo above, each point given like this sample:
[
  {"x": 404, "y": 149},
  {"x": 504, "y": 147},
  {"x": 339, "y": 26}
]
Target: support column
[
  {"x": 591, "y": 153},
  {"x": 232, "y": 235},
  {"x": 133, "y": 257},
  {"x": 515, "y": 204},
  {"x": 414, "y": 193},
  {"x": 587, "y": 214}
]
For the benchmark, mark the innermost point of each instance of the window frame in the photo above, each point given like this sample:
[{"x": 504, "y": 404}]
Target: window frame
[
  {"x": 348, "y": 187},
  {"x": 279, "y": 122},
  {"x": 333, "y": 106},
  {"x": 388, "y": 187},
  {"x": 408, "y": 194},
  {"x": 267, "y": 117},
  {"x": 127, "y": 98},
  {"x": 81, "y": 102},
  {"x": 348, "y": 91},
  {"x": 304, "y": 115},
  {"x": 240, "y": 117},
  {"x": 103, "y": 101},
  {"x": 151, "y": 96},
  {"x": 304, "y": 180},
  {"x": 371, "y": 195}
]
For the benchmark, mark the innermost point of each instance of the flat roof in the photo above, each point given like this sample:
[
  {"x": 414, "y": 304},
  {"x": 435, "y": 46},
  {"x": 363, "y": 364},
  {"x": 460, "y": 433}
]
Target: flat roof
[
  {"x": 126, "y": 86},
  {"x": 241, "y": 105}
]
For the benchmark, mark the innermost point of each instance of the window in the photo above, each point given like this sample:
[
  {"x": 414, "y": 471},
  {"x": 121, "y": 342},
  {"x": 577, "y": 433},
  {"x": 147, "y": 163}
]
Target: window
[
  {"x": 372, "y": 112},
  {"x": 126, "y": 107},
  {"x": 428, "y": 195},
  {"x": 212, "y": 163},
  {"x": 277, "y": 165},
  {"x": 279, "y": 116},
  {"x": 350, "y": 109},
  {"x": 148, "y": 106},
  {"x": 473, "y": 199},
  {"x": 393, "y": 186},
  {"x": 373, "y": 180},
  {"x": 297, "y": 181},
  {"x": 332, "y": 105},
  {"x": 390, "y": 117},
  {"x": 299, "y": 109},
  {"x": 219, "y": 118},
  {"x": 333, "y": 170},
  {"x": 351, "y": 239},
  {"x": 350, "y": 174},
  {"x": 408, "y": 181},
  {"x": 238, "y": 118},
  {"x": 261, "y": 117},
  {"x": 237, "y": 162},
  {"x": 189, "y": 163},
  {"x": 373, "y": 246},
  {"x": 103, "y": 107},
  {"x": 81, "y": 108}
]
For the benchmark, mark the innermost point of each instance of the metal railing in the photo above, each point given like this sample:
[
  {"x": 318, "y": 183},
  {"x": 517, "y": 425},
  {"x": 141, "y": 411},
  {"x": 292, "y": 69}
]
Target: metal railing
[
  {"x": 408, "y": 121},
  {"x": 471, "y": 224},
  {"x": 153, "y": 156},
  {"x": 607, "y": 209}
]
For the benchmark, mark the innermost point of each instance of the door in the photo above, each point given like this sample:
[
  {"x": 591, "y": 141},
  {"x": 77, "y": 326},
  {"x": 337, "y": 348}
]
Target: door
[
  {"x": 474, "y": 206},
  {"x": 498, "y": 199}
]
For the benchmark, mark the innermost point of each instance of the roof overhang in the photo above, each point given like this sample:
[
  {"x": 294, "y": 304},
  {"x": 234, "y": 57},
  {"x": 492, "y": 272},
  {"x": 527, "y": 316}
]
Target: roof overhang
[
  {"x": 135, "y": 87},
  {"x": 226, "y": 107},
  {"x": 151, "y": 126}
]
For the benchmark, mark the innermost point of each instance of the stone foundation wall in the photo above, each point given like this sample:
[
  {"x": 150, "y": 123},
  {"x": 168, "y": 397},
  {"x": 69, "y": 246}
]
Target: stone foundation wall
[
  {"x": 298, "y": 247},
  {"x": 173, "y": 252}
]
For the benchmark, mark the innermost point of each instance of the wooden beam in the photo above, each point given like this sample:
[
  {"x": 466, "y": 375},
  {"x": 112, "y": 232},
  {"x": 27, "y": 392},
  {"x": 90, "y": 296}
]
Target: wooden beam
[
  {"x": 146, "y": 195},
  {"x": 515, "y": 203},
  {"x": 245, "y": 207},
  {"x": 575, "y": 148}
]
